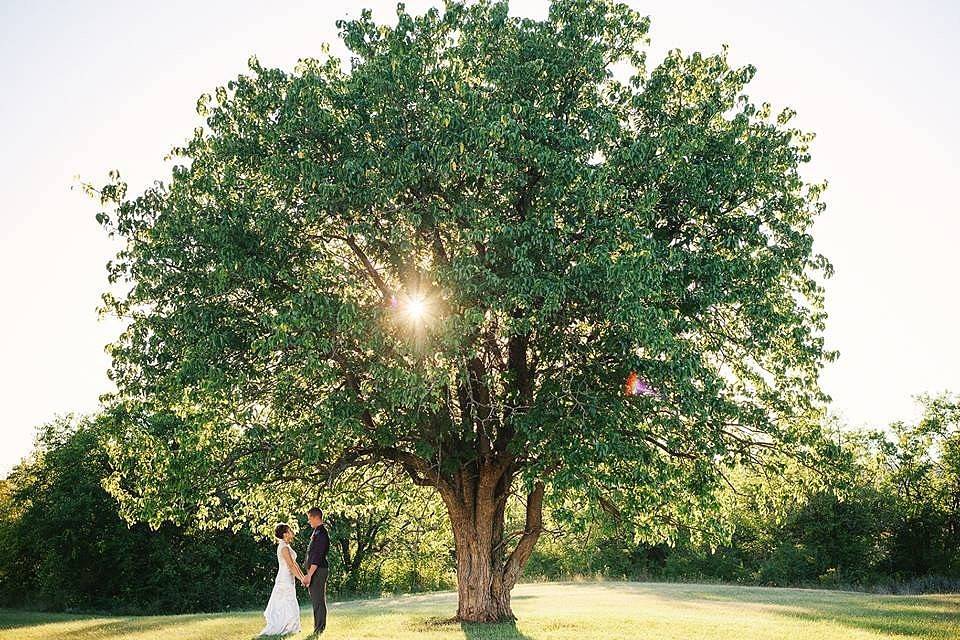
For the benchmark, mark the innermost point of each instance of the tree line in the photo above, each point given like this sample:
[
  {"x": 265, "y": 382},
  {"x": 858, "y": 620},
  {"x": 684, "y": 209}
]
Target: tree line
[{"x": 883, "y": 514}]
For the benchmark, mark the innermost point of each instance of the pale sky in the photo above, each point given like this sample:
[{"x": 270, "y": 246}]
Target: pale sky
[{"x": 114, "y": 85}]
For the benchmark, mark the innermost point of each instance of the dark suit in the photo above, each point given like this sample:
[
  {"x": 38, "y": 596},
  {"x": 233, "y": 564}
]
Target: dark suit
[{"x": 317, "y": 555}]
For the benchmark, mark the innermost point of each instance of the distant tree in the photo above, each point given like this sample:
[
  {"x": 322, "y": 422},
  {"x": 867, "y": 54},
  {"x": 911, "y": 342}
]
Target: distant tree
[
  {"x": 373, "y": 517},
  {"x": 13, "y": 566},
  {"x": 920, "y": 471},
  {"x": 64, "y": 546},
  {"x": 448, "y": 258},
  {"x": 942, "y": 418}
]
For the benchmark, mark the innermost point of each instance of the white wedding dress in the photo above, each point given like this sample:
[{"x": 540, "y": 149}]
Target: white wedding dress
[{"x": 283, "y": 611}]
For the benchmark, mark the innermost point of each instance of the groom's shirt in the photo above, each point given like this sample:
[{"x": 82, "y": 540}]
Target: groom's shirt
[{"x": 317, "y": 550}]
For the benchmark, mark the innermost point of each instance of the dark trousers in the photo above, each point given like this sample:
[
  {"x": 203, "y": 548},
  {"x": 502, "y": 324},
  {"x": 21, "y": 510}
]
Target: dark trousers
[{"x": 318, "y": 596}]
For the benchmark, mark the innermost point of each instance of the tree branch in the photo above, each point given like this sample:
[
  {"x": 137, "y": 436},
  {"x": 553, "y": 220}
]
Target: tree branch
[
  {"x": 371, "y": 270},
  {"x": 531, "y": 533}
]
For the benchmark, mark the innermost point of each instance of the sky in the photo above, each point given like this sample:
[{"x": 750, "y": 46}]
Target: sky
[{"x": 89, "y": 87}]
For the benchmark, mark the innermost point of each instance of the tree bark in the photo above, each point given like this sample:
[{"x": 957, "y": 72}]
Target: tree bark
[{"x": 476, "y": 502}]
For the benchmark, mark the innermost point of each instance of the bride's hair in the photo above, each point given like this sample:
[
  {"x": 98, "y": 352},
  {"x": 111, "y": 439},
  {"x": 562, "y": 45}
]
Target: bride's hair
[{"x": 281, "y": 530}]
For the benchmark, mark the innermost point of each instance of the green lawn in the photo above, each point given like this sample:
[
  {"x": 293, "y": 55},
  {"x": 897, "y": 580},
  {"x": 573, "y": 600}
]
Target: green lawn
[{"x": 587, "y": 611}]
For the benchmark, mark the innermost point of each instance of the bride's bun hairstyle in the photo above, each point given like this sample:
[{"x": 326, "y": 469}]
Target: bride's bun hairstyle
[{"x": 281, "y": 530}]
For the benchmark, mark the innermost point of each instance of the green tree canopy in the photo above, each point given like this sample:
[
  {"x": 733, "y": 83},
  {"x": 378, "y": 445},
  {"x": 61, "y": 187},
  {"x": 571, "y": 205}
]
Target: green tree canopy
[{"x": 447, "y": 254}]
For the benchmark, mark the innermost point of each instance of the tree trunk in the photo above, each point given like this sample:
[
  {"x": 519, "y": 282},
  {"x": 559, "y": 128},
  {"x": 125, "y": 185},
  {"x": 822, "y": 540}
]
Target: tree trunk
[{"x": 485, "y": 574}]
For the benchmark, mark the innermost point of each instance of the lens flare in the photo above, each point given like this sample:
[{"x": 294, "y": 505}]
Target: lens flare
[{"x": 637, "y": 386}]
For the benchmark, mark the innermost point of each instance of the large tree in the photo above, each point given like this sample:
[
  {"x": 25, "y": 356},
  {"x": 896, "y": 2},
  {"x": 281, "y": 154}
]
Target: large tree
[{"x": 448, "y": 255}]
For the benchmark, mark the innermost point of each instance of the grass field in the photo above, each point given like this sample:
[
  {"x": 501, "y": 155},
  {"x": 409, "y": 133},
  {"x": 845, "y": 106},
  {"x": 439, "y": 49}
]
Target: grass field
[{"x": 559, "y": 611}]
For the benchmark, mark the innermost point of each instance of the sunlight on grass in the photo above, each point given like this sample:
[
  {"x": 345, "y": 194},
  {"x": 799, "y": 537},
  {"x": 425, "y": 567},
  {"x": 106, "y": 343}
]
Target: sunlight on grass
[{"x": 595, "y": 611}]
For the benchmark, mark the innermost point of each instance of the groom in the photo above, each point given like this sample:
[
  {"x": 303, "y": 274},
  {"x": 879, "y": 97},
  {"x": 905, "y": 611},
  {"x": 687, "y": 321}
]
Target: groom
[{"x": 315, "y": 569}]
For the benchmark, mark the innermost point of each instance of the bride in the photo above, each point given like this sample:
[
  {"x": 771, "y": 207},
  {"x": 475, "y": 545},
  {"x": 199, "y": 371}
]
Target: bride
[{"x": 283, "y": 611}]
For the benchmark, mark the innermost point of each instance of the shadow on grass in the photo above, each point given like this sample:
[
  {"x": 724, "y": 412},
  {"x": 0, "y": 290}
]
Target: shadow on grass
[
  {"x": 910, "y": 616},
  {"x": 80, "y": 626},
  {"x": 13, "y": 619},
  {"x": 903, "y": 619},
  {"x": 471, "y": 631},
  {"x": 500, "y": 631},
  {"x": 115, "y": 628}
]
